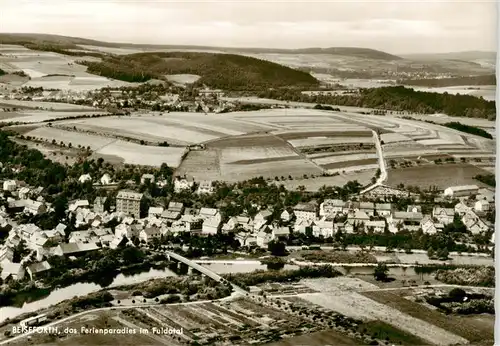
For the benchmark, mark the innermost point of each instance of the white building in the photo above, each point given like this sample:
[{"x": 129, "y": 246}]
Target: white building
[
  {"x": 305, "y": 211},
  {"x": 261, "y": 218},
  {"x": 147, "y": 177},
  {"x": 155, "y": 211},
  {"x": 367, "y": 207},
  {"x": 129, "y": 203},
  {"x": 205, "y": 187},
  {"x": 331, "y": 207},
  {"x": 14, "y": 270},
  {"x": 106, "y": 179},
  {"x": 286, "y": 215},
  {"x": 482, "y": 206},
  {"x": 383, "y": 209},
  {"x": 183, "y": 183},
  {"x": 9, "y": 185},
  {"x": 84, "y": 178},
  {"x": 461, "y": 191},
  {"x": 376, "y": 226},
  {"x": 211, "y": 225},
  {"x": 149, "y": 233},
  {"x": 208, "y": 213},
  {"x": 263, "y": 239}
]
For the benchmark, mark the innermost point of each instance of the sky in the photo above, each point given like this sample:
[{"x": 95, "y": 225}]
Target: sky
[{"x": 398, "y": 26}]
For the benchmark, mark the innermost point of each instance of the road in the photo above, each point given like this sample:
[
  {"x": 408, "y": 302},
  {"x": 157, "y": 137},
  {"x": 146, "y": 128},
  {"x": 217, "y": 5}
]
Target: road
[
  {"x": 381, "y": 162},
  {"x": 383, "y": 249}
]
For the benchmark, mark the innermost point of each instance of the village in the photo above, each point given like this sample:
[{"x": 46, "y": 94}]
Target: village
[{"x": 104, "y": 223}]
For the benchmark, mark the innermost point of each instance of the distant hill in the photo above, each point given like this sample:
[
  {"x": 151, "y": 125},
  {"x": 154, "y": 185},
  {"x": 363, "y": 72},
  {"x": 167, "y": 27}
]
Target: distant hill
[
  {"x": 456, "y": 81},
  {"x": 466, "y": 56},
  {"x": 223, "y": 71},
  {"x": 346, "y": 51},
  {"x": 68, "y": 42}
]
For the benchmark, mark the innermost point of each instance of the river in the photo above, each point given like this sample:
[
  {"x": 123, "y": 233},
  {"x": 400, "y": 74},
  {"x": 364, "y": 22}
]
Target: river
[
  {"x": 78, "y": 290},
  {"x": 82, "y": 289}
]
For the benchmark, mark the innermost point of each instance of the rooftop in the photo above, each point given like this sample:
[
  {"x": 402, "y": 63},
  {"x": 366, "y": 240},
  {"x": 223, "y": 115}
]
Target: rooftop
[{"x": 130, "y": 195}]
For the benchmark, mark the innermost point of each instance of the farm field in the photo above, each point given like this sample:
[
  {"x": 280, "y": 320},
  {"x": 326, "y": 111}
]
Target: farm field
[
  {"x": 137, "y": 154},
  {"x": 76, "y": 139},
  {"x": 360, "y": 306},
  {"x": 324, "y": 141},
  {"x": 44, "y": 116},
  {"x": 441, "y": 176},
  {"x": 175, "y": 128},
  {"x": 468, "y": 328},
  {"x": 39, "y": 64},
  {"x": 52, "y": 106},
  {"x": 327, "y": 337},
  {"x": 236, "y": 322},
  {"x": 278, "y": 143},
  {"x": 183, "y": 78},
  {"x": 125, "y": 152}
]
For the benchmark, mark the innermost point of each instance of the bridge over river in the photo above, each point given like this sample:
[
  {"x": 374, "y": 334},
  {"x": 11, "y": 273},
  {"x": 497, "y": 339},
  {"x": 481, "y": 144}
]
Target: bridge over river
[{"x": 205, "y": 271}]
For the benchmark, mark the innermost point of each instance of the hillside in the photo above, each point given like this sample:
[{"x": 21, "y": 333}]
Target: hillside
[
  {"x": 398, "y": 98},
  {"x": 466, "y": 55},
  {"x": 446, "y": 82},
  {"x": 67, "y": 42},
  {"x": 223, "y": 71}
]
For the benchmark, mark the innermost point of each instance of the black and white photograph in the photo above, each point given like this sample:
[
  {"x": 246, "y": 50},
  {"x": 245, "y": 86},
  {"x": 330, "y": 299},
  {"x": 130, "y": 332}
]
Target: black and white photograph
[{"x": 248, "y": 172}]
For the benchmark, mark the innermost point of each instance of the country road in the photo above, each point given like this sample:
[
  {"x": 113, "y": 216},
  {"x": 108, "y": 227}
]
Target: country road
[{"x": 381, "y": 162}]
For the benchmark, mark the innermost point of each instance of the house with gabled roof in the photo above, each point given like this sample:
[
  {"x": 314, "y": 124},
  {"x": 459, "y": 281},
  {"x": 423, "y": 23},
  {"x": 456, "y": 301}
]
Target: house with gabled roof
[
  {"x": 280, "y": 233},
  {"x": 367, "y": 207},
  {"x": 155, "y": 211},
  {"x": 149, "y": 233},
  {"x": 286, "y": 215},
  {"x": 261, "y": 218},
  {"x": 262, "y": 239},
  {"x": 15, "y": 271},
  {"x": 443, "y": 215},
  {"x": 211, "y": 225},
  {"x": 383, "y": 209},
  {"x": 37, "y": 270},
  {"x": 74, "y": 249}
]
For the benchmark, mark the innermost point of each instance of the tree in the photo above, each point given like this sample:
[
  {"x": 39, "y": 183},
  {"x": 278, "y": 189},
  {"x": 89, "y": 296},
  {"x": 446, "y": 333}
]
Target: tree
[
  {"x": 457, "y": 294},
  {"x": 443, "y": 254},
  {"x": 277, "y": 248},
  {"x": 407, "y": 248},
  {"x": 380, "y": 272},
  {"x": 430, "y": 253}
]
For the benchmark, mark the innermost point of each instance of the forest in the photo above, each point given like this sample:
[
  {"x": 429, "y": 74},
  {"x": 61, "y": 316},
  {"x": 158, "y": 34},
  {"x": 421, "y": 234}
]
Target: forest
[
  {"x": 397, "y": 98},
  {"x": 222, "y": 71},
  {"x": 468, "y": 129}
]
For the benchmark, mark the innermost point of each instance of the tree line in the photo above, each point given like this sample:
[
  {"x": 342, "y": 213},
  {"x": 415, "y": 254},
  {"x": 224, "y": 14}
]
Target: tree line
[{"x": 397, "y": 98}]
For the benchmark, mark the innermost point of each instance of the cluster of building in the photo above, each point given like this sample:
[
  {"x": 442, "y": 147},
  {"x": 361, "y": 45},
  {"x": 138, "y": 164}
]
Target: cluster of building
[{"x": 321, "y": 220}]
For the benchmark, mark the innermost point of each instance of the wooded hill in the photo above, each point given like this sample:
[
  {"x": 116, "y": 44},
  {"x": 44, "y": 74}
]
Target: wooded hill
[
  {"x": 456, "y": 81},
  {"x": 398, "y": 98},
  {"x": 223, "y": 71},
  {"x": 73, "y": 42}
]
